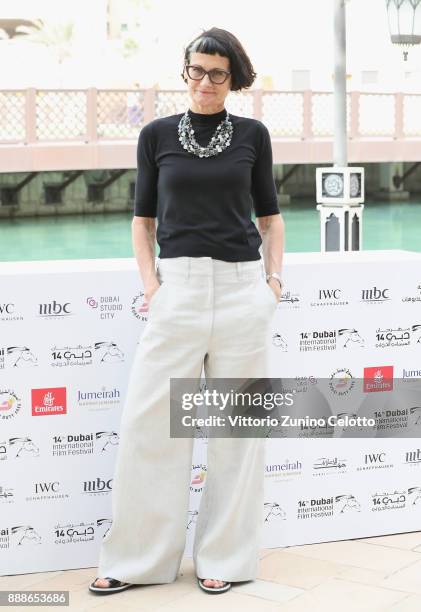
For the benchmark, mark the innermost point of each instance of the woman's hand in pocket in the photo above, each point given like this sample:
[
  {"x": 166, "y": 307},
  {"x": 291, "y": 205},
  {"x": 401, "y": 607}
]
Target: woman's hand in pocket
[
  {"x": 276, "y": 288},
  {"x": 150, "y": 289}
]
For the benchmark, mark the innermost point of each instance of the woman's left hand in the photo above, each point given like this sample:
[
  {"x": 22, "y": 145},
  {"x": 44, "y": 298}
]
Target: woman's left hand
[{"x": 276, "y": 288}]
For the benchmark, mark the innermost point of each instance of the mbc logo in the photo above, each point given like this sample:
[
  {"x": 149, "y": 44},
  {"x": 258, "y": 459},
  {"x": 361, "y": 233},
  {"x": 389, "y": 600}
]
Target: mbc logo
[
  {"x": 54, "y": 308},
  {"x": 375, "y": 294},
  {"x": 97, "y": 485}
]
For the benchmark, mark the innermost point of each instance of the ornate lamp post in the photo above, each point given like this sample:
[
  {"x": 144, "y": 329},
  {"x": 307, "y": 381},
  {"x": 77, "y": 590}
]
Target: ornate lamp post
[
  {"x": 340, "y": 189},
  {"x": 404, "y": 22}
]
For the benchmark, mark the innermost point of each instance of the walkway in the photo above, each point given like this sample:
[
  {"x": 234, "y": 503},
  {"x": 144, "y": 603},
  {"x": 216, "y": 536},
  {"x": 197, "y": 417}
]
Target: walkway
[
  {"x": 381, "y": 574},
  {"x": 43, "y": 130}
]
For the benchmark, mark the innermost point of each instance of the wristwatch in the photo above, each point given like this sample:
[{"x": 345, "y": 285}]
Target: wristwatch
[{"x": 274, "y": 275}]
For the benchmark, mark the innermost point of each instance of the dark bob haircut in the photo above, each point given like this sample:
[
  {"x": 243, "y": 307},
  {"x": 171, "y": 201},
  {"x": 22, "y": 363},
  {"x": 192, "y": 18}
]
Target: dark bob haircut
[{"x": 221, "y": 42}]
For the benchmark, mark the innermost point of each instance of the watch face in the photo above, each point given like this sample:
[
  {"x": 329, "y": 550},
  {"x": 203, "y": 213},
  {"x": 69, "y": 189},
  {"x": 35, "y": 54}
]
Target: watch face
[
  {"x": 354, "y": 185},
  {"x": 333, "y": 185}
]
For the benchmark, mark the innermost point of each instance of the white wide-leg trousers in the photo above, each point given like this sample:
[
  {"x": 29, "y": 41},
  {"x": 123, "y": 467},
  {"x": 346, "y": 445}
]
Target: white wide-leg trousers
[{"x": 215, "y": 314}]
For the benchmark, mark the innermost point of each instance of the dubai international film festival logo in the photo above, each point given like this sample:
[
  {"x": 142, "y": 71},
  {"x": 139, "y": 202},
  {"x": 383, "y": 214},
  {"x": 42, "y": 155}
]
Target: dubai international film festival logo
[
  {"x": 377, "y": 379},
  {"x": 350, "y": 338}
]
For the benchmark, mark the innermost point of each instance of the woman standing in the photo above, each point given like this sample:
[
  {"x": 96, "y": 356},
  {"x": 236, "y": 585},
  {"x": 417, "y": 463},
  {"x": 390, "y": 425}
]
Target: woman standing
[{"x": 211, "y": 299}]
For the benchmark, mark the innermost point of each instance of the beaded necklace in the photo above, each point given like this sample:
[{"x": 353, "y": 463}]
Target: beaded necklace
[{"x": 220, "y": 140}]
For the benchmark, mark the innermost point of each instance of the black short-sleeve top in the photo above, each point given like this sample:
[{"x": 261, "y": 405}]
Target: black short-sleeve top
[{"x": 204, "y": 204}]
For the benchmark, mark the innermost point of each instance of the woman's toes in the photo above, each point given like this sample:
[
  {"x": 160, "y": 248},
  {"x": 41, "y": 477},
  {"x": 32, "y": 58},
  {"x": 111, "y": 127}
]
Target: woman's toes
[
  {"x": 213, "y": 583},
  {"x": 101, "y": 582}
]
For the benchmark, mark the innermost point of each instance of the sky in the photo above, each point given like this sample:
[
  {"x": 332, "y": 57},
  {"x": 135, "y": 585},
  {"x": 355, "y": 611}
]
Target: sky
[{"x": 279, "y": 35}]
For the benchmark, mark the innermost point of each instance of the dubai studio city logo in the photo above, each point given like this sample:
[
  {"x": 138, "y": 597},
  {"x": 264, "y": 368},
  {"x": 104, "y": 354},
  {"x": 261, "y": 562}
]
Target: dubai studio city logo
[{"x": 106, "y": 306}]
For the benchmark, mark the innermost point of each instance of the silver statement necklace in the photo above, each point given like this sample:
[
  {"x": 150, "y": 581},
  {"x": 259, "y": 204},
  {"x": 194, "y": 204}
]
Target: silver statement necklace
[{"x": 220, "y": 140}]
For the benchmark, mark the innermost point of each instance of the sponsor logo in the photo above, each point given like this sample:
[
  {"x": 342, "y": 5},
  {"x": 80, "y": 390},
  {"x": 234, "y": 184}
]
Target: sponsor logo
[
  {"x": 198, "y": 477},
  {"x": 411, "y": 375},
  {"x": 279, "y": 341},
  {"x": 7, "y": 312},
  {"x": 321, "y": 340},
  {"x": 99, "y": 399},
  {"x": 413, "y": 457},
  {"x": 46, "y": 402},
  {"x": 323, "y": 466},
  {"x": 105, "y": 351},
  {"x": 350, "y": 338},
  {"x": 341, "y": 381},
  {"x": 375, "y": 295},
  {"x": 374, "y": 461},
  {"x": 10, "y": 404},
  {"x": 283, "y": 470},
  {"x": 378, "y": 379},
  {"x": 72, "y": 445},
  {"x": 97, "y": 487},
  {"x": 289, "y": 300},
  {"x": 17, "y": 357},
  {"x": 106, "y": 440},
  {"x": 18, "y": 448},
  {"x": 54, "y": 310},
  {"x": 192, "y": 519},
  {"x": 392, "y": 419},
  {"x": 6, "y": 495},
  {"x": 140, "y": 307},
  {"x": 395, "y": 337},
  {"x": 329, "y": 297},
  {"x": 273, "y": 512},
  {"x": 47, "y": 490},
  {"x": 388, "y": 501},
  {"x": 74, "y": 532},
  {"x": 325, "y": 507},
  {"x": 414, "y": 297},
  {"x": 106, "y": 306}
]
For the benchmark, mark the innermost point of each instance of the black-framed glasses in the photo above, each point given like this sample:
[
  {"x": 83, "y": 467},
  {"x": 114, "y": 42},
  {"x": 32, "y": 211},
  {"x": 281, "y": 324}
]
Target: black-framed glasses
[{"x": 216, "y": 75}]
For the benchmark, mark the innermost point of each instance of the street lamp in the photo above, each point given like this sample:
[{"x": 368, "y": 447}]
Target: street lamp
[
  {"x": 340, "y": 188},
  {"x": 404, "y": 22}
]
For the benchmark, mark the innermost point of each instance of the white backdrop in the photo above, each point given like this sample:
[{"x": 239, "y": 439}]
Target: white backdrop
[{"x": 68, "y": 332}]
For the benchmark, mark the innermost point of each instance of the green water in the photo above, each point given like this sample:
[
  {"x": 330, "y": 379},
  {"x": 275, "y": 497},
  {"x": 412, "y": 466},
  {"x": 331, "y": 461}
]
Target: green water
[{"x": 385, "y": 226}]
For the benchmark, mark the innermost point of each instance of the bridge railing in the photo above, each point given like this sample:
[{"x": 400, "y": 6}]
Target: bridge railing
[{"x": 92, "y": 115}]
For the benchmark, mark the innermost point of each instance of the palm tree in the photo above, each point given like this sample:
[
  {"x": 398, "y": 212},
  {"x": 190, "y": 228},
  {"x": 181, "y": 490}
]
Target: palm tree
[{"x": 57, "y": 36}]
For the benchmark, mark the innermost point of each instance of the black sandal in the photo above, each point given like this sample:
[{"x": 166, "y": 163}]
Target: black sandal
[
  {"x": 215, "y": 590},
  {"x": 115, "y": 586}
]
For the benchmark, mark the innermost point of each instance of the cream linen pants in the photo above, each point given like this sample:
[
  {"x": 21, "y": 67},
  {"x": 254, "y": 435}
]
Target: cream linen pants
[{"x": 214, "y": 314}]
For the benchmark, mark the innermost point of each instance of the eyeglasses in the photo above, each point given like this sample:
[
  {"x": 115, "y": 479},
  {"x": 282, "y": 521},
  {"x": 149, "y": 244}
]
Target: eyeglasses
[{"x": 216, "y": 75}]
